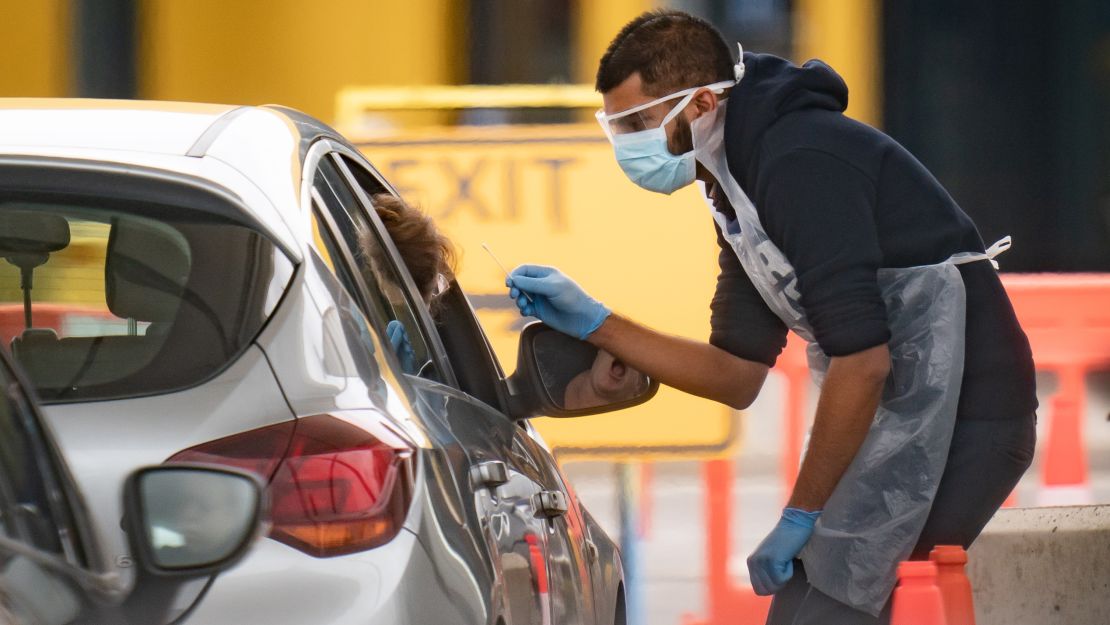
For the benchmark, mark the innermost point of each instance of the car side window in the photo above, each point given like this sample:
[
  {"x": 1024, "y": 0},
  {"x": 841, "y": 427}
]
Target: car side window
[
  {"x": 475, "y": 367},
  {"x": 386, "y": 291},
  {"x": 32, "y": 508},
  {"x": 359, "y": 335}
]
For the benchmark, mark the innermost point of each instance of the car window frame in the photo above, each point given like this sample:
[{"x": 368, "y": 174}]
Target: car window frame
[
  {"x": 385, "y": 283},
  {"x": 322, "y": 150},
  {"x": 491, "y": 365},
  {"x": 463, "y": 320},
  {"x": 359, "y": 295},
  {"x": 412, "y": 294},
  {"x": 49, "y": 177},
  {"x": 80, "y": 559}
]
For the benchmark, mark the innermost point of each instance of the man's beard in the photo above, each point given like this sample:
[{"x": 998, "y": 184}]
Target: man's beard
[{"x": 682, "y": 141}]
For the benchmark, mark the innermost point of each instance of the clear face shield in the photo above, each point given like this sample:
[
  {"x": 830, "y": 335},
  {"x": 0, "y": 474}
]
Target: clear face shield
[
  {"x": 652, "y": 115},
  {"x": 640, "y": 142}
]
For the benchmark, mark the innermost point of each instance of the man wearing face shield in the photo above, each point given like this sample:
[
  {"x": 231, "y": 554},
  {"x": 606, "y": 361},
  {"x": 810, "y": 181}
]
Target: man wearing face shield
[{"x": 830, "y": 229}]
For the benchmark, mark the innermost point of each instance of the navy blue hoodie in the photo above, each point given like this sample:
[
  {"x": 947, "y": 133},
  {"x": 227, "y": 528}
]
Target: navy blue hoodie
[{"x": 841, "y": 200}]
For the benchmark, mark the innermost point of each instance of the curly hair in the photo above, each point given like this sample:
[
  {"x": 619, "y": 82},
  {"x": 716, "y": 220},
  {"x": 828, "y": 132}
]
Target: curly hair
[{"x": 426, "y": 252}]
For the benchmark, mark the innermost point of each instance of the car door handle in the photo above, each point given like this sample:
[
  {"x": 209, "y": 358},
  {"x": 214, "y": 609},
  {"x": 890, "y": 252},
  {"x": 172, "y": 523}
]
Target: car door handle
[
  {"x": 491, "y": 473},
  {"x": 591, "y": 551},
  {"x": 551, "y": 503}
]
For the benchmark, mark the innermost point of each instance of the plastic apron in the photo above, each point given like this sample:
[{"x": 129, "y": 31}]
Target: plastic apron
[{"x": 876, "y": 513}]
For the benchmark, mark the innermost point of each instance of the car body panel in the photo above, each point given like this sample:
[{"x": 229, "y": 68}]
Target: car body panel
[
  {"x": 68, "y": 583},
  {"x": 243, "y": 397},
  {"x": 360, "y": 588}
]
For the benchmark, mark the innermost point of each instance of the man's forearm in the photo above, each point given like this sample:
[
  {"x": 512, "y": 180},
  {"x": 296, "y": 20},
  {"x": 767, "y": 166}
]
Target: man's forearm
[
  {"x": 849, "y": 398},
  {"x": 693, "y": 367}
]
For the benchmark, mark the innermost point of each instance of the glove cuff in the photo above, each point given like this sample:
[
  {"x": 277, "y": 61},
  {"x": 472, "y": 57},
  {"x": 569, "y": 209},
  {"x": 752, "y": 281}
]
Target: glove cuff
[
  {"x": 599, "y": 318},
  {"x": 801, "y": 518}
]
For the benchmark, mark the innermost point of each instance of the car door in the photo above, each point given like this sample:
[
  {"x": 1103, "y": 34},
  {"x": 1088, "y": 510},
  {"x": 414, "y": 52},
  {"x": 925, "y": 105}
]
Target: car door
[
  {"x": 557, "y": 548},
  {"x": 569, "y": 553},
  {"x": 43, "y": 570},
  {"x": 566, "y": 545},
  {"x": 478, "y": 440}
]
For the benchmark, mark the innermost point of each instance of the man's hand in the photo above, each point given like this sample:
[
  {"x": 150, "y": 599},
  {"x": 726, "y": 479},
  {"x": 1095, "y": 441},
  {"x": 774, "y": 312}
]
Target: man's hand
[
  {"x": 544, "y": 292},
  {"x": 771, "y": 565}
]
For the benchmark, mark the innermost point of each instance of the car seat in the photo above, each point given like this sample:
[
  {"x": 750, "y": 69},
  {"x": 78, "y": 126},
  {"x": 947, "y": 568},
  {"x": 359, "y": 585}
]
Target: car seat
[{"x": 145, "y": 272}]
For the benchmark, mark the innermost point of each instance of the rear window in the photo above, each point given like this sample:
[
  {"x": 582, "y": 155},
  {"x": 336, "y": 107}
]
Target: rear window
[{"x": 102, "y": 301}]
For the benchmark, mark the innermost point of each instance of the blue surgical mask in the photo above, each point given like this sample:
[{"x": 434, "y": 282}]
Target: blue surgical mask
[
  {"x": 643, "y": 154},
  {"x": 645, "y": 159}
]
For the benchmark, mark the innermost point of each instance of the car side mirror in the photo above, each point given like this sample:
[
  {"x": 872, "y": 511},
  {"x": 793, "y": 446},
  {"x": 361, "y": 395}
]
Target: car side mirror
[
  {"x": 191, "y": 520},
  {"x": 560, "y": 376}
]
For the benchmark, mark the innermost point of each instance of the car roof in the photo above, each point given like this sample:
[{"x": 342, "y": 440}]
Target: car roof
[
  {"x": 131, "y": 125},
  {"x": 258, "y": 141}
]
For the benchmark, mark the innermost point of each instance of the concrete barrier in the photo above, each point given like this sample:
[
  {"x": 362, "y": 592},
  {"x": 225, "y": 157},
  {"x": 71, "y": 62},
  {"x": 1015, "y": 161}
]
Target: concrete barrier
[{"x": 1043, "y": 566}]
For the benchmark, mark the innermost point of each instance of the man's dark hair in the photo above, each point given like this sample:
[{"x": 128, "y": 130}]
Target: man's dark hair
[{"x": 670, "y": 49}]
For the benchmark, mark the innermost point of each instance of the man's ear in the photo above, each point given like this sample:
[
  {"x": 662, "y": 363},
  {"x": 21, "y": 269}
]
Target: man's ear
[{"x": 704, "y": 102}]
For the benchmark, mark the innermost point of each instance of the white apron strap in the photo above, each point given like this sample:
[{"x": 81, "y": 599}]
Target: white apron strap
[{"x": 999, "y": 247}]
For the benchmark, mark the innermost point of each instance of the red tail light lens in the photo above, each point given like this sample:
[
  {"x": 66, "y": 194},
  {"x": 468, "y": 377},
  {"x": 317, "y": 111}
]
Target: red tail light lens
[
  {"x": 338, "y": 487},
  {"x": 259, "y": 451}
]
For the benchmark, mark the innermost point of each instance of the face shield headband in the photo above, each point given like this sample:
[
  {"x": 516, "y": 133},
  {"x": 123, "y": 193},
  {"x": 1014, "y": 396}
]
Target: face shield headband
[{"x": 630, "y": 120}]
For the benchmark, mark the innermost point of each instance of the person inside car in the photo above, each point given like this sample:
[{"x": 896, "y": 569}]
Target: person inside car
[{"x": 426, "y": 252}]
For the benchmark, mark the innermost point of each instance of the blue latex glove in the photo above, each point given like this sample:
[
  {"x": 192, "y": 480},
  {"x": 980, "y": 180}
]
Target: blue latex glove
[
  {"x": 399, "y": 340},
  {"x": 556, "y": 300},
  {"x": 771, "y": 565}
]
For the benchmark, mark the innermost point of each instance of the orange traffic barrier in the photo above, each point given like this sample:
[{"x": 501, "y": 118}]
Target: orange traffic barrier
[
  {"x": 917, "y": 600},
  {"x": 955, "y": 588},
  {"x": 728, "y": 604},
  {"x": 1067, "y": 319}
]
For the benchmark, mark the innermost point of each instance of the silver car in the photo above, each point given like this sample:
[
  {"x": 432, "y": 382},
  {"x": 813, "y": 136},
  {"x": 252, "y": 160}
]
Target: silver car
[{"x": 185, "y": 283}]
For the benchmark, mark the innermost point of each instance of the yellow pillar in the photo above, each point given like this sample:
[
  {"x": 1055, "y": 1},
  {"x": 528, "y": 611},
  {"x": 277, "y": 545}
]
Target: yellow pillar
[
  {"x": 596, "y": 22},
  {"x": 846, "y": 35},
  {"x": 293, "y": 52},
  {"x": 36, "y": 39}
]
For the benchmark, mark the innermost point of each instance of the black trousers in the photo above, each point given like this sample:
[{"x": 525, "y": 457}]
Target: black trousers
[{"x": 985, "y": 462}]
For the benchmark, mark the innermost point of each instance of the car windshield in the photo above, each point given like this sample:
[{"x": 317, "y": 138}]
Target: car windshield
[{"x": 103, "y": 299}]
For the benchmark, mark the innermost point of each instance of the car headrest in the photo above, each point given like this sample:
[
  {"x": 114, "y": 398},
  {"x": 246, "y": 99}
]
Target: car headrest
[
  {"x": 145, "y": 271},
  {"x": 31, "y": 232}
]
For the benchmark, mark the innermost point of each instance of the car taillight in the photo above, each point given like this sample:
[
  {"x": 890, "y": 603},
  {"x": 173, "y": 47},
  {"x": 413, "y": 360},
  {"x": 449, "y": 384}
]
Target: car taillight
[
  {"x": 335, "y": 486},
  {"x": 259, "y": 451}
]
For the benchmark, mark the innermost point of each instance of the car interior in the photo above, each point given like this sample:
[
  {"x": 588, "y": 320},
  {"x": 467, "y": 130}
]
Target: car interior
[
  {"x": 146, "y": 291},
  {"x": 470, "y": 355},
  {"x": 159, "y": 316}
]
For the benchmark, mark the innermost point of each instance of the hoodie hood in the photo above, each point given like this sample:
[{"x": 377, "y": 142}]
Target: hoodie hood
[{"x": 772, "y": 88}]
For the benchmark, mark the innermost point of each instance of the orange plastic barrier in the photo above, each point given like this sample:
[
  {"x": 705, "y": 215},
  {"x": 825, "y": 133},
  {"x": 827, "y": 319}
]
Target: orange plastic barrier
[
  {"x": 955, "y": 588},
  {"x": 728, "y": 604},
  {"x": 917, "y": 600},
  {"x": 1067, "y": 318}
]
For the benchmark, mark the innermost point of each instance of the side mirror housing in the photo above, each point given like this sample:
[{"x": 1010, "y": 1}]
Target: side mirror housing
[
  {"x": 560, "y": 376},
  {"x": 187, "y": 520}
]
